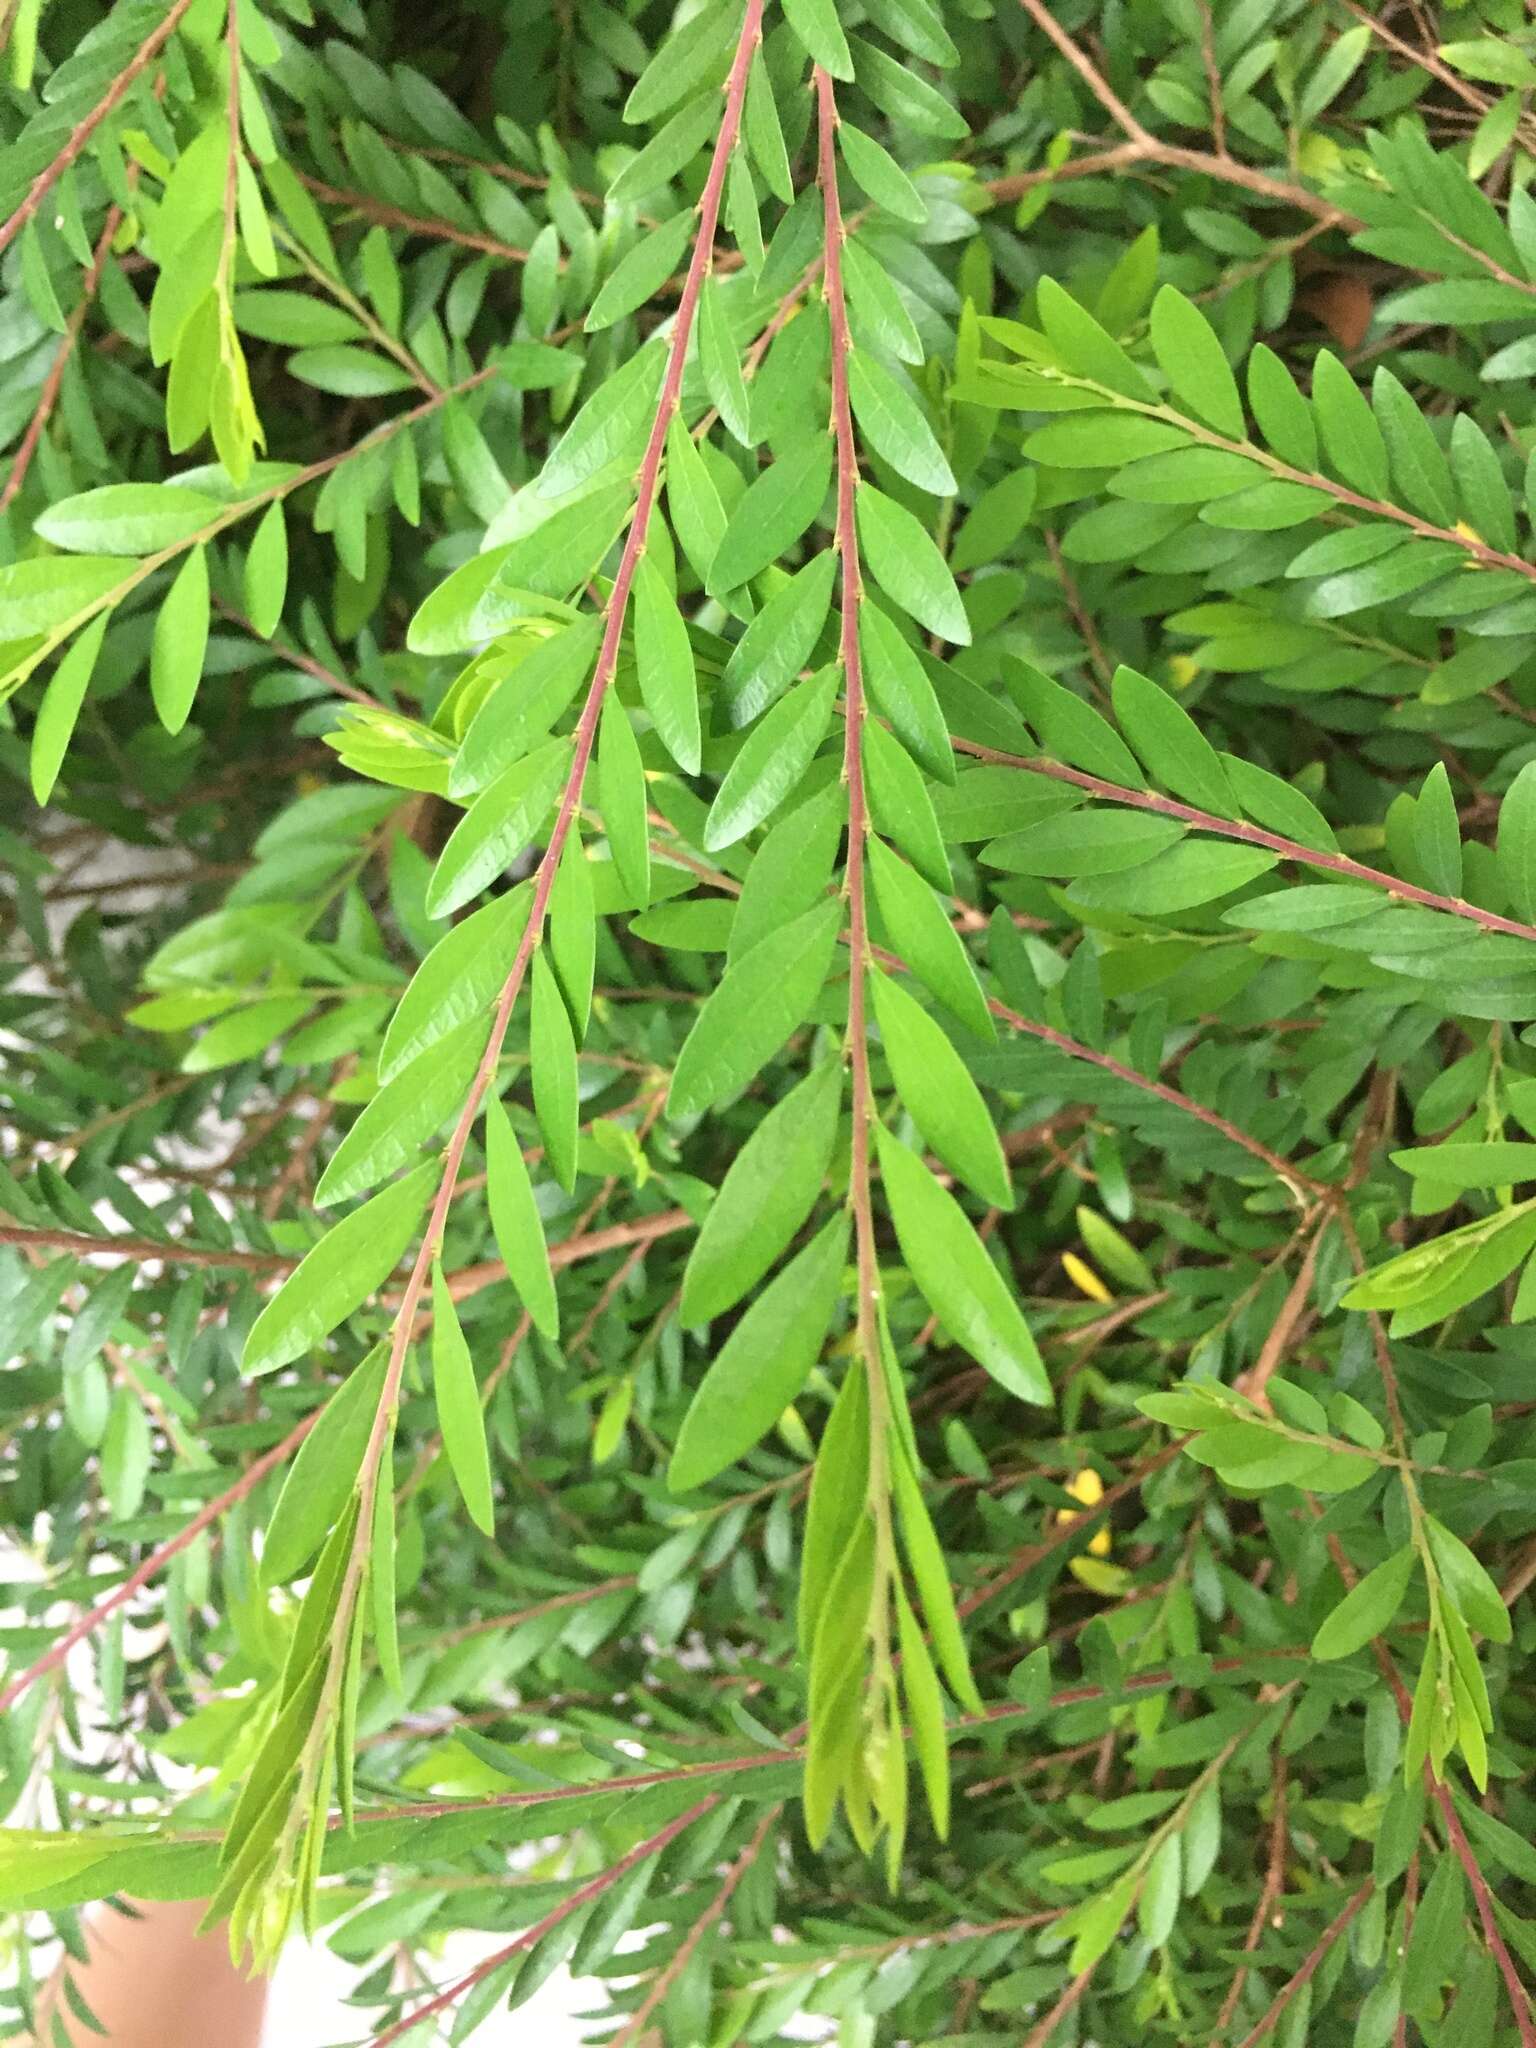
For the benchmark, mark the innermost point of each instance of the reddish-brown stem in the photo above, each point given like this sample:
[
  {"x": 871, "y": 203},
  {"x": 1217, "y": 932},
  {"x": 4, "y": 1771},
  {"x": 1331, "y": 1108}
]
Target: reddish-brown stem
[
  {"x": 86, "y": 127},
  {"x": 156, "y": 1562},
  {"x": 1044, "y": 2028},
  {"x": 635, "y": 2025},
  {"x": 1252, "y": 835},
  {"x": 582, "y": 1896},
  {"x": 47, "y": 1238},
  {"x": 53, "y": 383},
  {"x": 847, "y": 543},
  {"x": 1304, "y": 1975},
  {"x": 409, "y": 223}
]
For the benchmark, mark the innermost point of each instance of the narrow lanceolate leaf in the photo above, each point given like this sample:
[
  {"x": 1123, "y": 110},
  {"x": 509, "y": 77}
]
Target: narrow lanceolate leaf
[
  {"x": 761, "y": 999},
  {"x": 905, "y": 562},
  {"x": 777, "y": 644},
  {"x": 180, "y": 640},
  {"x": 60, "y": 708},
  {"x": 902, "y": 693},
  {"x": 957, "y": 1278},
  {"x": 1517, "y": 843},
  {"x": 323, "y": 1473},
  {"x": 407, "y": 1110},
  {"x": 498, "y": 826},
  {"x": 556, "y": 1090},
  {"x": 266, "y": 571},
  {"x": 458, "y": 980},
  {"x": 766, "y": 1195},
  {"x": 776, "y": 754},
  {"x": 772, "y": 513},
  {"x": 892, "y": 422},
  {"x": 1368, "y": 1607},
  {"x": 902, "y": 808},
  {"x": 515, "y": 1220},
  {"x": 926, "y": 940},
  {"x": 815, "y": 22},
  {"x": 765, "y": 1361},
  {"x": 457, "y": 1393},
  {"x": 664, "y": 660},
  {"x": 939, "y": 1095},
  {"x": 126, "y": 519},
  {"x": 621, "y": 797},
  {"x": 349, "y": 1264},
  {"x": 925, "y": 1706}
]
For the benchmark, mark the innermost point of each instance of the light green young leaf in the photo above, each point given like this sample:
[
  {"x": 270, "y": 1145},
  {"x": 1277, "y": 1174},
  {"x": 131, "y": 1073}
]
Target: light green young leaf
[
  {"x": 266, "y": 571},
  {"x": 1367, "y": 1609},
  {"x": 126, "y": 519},
  {"x": 57, "y": 713},
  {"x": 323, "y": 1473}
]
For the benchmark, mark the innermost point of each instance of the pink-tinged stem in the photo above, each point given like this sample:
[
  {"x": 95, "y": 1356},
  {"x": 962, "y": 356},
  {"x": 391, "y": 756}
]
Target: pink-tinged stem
[
  {"x": 647, "y": 485},
  {"x": 592, "y": 1889},
  {"x": 156, "y": 1562},
  {"x": 853, "y": 720}
]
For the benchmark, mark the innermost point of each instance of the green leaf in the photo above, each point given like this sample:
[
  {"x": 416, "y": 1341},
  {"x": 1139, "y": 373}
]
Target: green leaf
[
  {"x": 1495, "y": 1163},
  {"x": 771, "y": 514},
  {"x": 1366, "y": 1611},
  {"x": 776, "y": 755},
  {"x": 515, "y": 1219},
  {"x": 1471, "y": 1589},
  {"x": 1436, "y": 1942},
  {"x": 1070, "y": 730},
  {"x": 882, "y": 178},
  {"x": 642, "y": 272},
  {"x": 556, "y": 1088},
  {"x": 1157, "y": 1903},
  {"x": 1195, "y": 364},
  {"x": 127, "y": 519},
  {"x": 721, "y": 364},
  {"x": 668, "y": 150},
  {"x": 778, "y": 643},
  {"x": 698, "y": 518},
  {"x": 908, "y": 567},
  {"x": 1082, "y": 843},
  {"x": 901, "y": 691},
  {"x": 457, "y": 981},
  {"x": 407, "y": 1110},
  {"x": 1517, "y": 843},
  {"x": 956, "y": 1277},
  {"x": 927, "y": 942},
  {"x": 664, "y": 660},
  {"x": 1085, "y": 348},
  {"x": 523, "y": 705},
  {"x": 622, "y": 799},
  {"x": 770, "y": 1189},
  {"x": 499, "y": 825},
  {"x": 761, "y": 999},
  {"x": 345, "y": 1269},
  {"x": 893, "y": 424},
  {"x": 925, "y": 1706},
  {"x": 266, "y": 571},
  {"x": 938, "y": 1093},
  {"x": 815, "y": 22},
  {"x": 457, "y": 1395},
  {"x": 1172, "y": 747},
  {"x": 902, "y": 808},
  {"x": 180, "y": 641},
  {"x": 323, "y": 1473},
  {"x": 57, "y": 713},
  {"x": 1352, "y": 440},
  {"x": 610, "y": 425},
  {"x": 764, "y": 1363}
]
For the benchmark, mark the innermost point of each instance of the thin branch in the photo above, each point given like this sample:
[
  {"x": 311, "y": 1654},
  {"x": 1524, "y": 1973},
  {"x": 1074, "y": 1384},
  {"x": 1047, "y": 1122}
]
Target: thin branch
[
  {"x": 86, "y": 127},
  {"x": 1252, "y": 835},
  {"x": 679, "y": 1960},
  {"x": 1304, "y": 1975},
  {"x": 584, "y": 1895}
]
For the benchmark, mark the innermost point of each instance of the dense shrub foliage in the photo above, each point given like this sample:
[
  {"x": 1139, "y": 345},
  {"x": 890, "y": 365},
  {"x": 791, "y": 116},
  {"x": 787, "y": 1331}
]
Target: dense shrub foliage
[{"x": 770, "y": 965}]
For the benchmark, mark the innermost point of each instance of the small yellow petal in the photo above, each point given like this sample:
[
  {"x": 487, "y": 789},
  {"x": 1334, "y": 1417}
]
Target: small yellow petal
[{"x": 1084, "y": 1278}]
